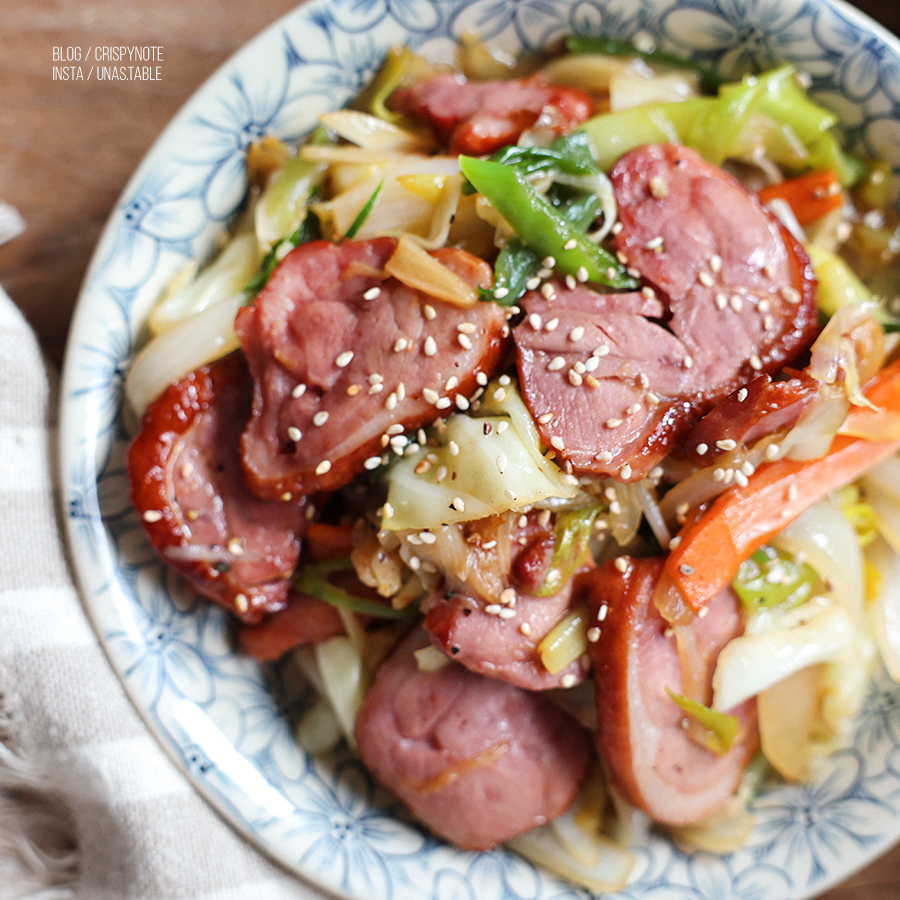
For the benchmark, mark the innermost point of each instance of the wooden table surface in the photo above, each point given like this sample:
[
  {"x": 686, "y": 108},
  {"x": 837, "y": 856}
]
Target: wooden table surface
[{"x": 68, "y": 148}]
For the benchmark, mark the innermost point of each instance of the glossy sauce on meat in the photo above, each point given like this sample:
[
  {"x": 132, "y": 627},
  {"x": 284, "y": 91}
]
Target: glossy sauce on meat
[
  {"x": 341, "y": 355},
  {"x": 188, "y": 486},
  {"x": 478, "y": 117},
  {"x": 730, "y": 294},
  {"x": 654, "y": 761}
]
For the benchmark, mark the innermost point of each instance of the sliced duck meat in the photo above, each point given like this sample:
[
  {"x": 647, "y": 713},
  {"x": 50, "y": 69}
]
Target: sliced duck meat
[
  {"x": 494, "y": 622},
  {"x": 305, "y": 620},
  {"x": 187, "y": 485},
  {"x": 344, "y": 359},
  {"x": 478, "y": 117},
  {"x": 739, "y": 288},
  {"x": 477, "y": 760},
  {"x": 614, "y": 382},
  {"x": 656, "y": 759},
  {"x": 500, "y": 639},
  {"x": 606, "y": 384},
  {"x": 760, "y": 408}
]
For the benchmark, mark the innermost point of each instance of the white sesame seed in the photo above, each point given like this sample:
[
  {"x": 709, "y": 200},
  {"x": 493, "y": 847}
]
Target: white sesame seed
[
  {"x": 569, "y": 680},
  {"x": 552, "y": 325},
  {"x": 391, "y": 403},
  {"x": 736, "y": 302},
  {"x": 241, "y": 603},
  {"x": 575, "y": 378},
  {"x": 510, "y": 495},
  {"x": 659, "y": 187},
  {"x": 533, "y": 283},
  {"x": 323, "y": 467},
  {"x": 502, "y": 426},
  {"x": 458, "y": 504},
  {"x": 535, "y": 321},
  {"x": 429, "y": 348},
  {"x": 400, "y": 344},
  {"x": 705, "y": 278},
  {"x": 525, "y": 629},
  {"x": 555, "y": 364},
  {"x": 634, "y": 408},
  {"x": 726, "y": 444},
  {"x": 570, "y": 244},
  {"x": 320, "y": 418},
  {"x": 625, "y": 471},
  {"x": 452, "y": 383},
  {"x": 755, "y": 362},
  {"x": 576, "y": 334},
  {"x": 430, "y": 311},
  {"x": 430, "y": 395},
  {"x": 740, "y": 478},
  {"x": 501, "y": 463},
  {"x": 298, "y": 391},
  {"x": 453, "y": 447},
  {"x": 742, "y": 395},
  {"x": 507, "y": 613},
  {"x": 500, "y": 394},
  {"x": 443, "y": 403},
  {"x": 464, "y": 341},
  {"x": 294, "y": 433},
  {"x": 621, "y": 564},
  {"x": 688, "y": 362},
  {"x": 387, "y": 511},
  {"x": 396, "y": 428},
  {"x": 601, "y": 350},
  {"x": 702, "y": 449},
  {"x": 715, "y": 263},
  {"x": 582, "y": 274},
  {"x": 462, "y": 403},
  {"x": 651, "y": 399},
  {"x": 372, "y": 293},
  {"x": 152, "y": 515},
  {"x": 344, "y": 359},
  {"x": 654, "y": 244},
  {"x": 545, "y": 418},
  {"x": 604, "y": 456},
  {"x": 791, "y": 294},
  {"x": 376, "y": 388},
  {"x": 501, "y": 292},
  {"x": 593, "y": 635},
  {"x": 373, "y": 462},
  {"x": 603, "y": 611},
  {"x": 613, "y": 423},
  {"x": 685, "y": 569},
  {"x": 557, "y": 442}
]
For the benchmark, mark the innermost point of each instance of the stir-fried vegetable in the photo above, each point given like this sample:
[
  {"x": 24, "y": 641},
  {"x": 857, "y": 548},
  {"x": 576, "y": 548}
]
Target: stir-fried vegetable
[
  {"x": 540, "y": 227},
  {"x": 711, "y": 550}
]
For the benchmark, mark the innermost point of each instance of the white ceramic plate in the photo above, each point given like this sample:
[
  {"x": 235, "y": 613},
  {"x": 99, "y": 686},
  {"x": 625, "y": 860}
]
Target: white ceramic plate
[{"x": 224, "y": 718}]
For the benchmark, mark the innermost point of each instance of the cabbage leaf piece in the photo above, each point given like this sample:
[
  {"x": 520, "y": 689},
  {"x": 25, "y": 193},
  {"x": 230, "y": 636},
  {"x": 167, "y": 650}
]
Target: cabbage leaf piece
[{"x": 486, "y": 462}]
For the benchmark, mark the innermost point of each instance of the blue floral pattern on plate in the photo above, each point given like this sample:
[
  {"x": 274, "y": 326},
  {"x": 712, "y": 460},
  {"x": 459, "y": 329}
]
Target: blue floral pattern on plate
[{"x": 227, "y": 720}]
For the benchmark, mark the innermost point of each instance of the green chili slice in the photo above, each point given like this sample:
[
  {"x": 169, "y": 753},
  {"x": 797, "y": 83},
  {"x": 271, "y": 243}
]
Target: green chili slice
[
  {"x": 721, "y": 728},
  {"x": 541, "y": 227}
]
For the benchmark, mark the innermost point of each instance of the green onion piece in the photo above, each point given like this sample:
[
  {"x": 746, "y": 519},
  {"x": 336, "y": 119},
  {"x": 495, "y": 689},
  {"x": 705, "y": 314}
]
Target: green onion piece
[
  {"x": 576, "y": 43},
  {"x": 308, "y": 231},
  {"x": 313, "y": 580},
  {"x": 364, "y": 213},
  {"x": 540, "y": 226},
  {"x": 721, "y": 728},
  {"x": 772, "y": 577},
  {"x": 573, "y": 534},
  {"x": 718, "y": 127}
]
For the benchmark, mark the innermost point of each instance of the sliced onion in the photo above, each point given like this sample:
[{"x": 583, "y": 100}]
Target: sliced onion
[
  {"x": 372, "y": 133},
  {"x": 418, "y": 269},
  {"x": 884, "y": 607},
  {"x": 191, "y": 293},
  {"x": 341, "y": 670},
  {"x": 191, "y": 343},
  {"x": 628, "y": 89}
]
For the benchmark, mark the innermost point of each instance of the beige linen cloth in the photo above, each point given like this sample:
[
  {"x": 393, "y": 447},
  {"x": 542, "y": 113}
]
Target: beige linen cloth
[{"x": 90, "y": 806}]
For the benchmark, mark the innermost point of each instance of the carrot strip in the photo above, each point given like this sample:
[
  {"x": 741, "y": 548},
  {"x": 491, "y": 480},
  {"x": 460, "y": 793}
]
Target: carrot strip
[
  {"x": 711, "y": 548},
  {"x": 809, "y": 196}
]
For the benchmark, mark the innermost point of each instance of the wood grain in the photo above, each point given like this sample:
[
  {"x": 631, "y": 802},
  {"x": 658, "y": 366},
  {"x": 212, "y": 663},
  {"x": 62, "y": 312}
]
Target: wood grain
[{"x": 67, "y": 149}]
